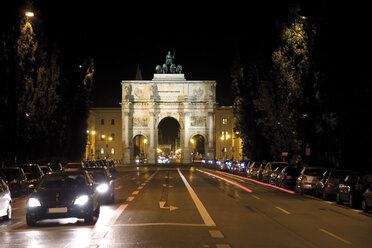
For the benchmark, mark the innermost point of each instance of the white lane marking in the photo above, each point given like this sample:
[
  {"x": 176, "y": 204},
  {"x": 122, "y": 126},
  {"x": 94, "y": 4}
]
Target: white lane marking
[
  {"x": 256, "y": 197},
  {"x": 335, "y": 236},
  {"x": 284, "y": 211},
  {"x": 135, "y": 192},
  {"x": 208, "y": 221},
  {"x": 140, "y": 187},
  {"x": 116, "y": 214},
  {"x": 216, "y": 234},
  {"x": 130, "y": 198}
]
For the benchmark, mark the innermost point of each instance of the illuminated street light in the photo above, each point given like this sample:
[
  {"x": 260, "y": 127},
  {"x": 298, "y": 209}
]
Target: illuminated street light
[{"x": 29, "y": 14}]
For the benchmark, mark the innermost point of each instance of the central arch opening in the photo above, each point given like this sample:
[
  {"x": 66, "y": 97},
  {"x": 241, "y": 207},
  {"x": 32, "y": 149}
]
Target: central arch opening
[{"x": 169, "y": 148}]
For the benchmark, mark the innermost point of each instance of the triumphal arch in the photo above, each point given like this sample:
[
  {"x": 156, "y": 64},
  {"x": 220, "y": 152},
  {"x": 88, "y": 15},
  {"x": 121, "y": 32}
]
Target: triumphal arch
[{"x": 145, "y": 103}]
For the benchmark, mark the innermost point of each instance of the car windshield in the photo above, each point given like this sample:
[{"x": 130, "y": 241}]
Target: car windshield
[
  {"x": 11, "y": 174},
  {"x": 60, "y": 181},
  {"x": 280, "y": 166},
  {"x": 314, "y": 172},
  {"x": 98, "y": 175},
  {"x": 338, "y": 174}
]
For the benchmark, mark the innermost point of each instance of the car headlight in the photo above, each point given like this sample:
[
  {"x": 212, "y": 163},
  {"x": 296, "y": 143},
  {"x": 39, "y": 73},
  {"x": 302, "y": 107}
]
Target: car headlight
[
  {"x": 102, "y": 188},
  {"x": 81, "y": 200},
  {"x": 33, "y": 202}
]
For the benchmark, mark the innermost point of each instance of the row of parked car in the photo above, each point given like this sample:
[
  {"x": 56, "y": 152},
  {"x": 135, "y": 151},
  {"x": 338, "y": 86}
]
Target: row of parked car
[
  {"x": 345, "y": 186},
  {"x": 25, "y": 178}
]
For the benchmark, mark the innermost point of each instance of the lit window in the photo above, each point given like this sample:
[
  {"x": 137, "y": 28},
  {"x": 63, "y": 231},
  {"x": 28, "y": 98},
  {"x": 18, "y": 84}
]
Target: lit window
[
  {"x": 102, "y": 151},
  {"x": 112, "y": 151},
  {"x": 224, "y": 121}
]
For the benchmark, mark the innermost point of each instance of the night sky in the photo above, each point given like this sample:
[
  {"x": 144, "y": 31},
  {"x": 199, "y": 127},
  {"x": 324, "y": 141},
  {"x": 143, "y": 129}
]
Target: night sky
[{"x": 121, "y": 37}]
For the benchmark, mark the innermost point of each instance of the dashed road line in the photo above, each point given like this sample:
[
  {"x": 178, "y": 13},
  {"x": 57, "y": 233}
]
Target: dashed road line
[
  {"x": 135, "y": 192},
  {"x": 130, "y": 198},
  {"x": 256, "y": 197},
  {"x": 223, "y": 246},
  {"x": 335, "y": 236},
  {"x": 216, "y": 234},
  {"x": 283, "y": 210}
]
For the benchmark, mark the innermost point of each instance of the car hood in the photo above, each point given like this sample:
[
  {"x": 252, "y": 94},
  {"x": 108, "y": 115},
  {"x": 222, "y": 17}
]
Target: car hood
[{"x": 55, "y": 196}]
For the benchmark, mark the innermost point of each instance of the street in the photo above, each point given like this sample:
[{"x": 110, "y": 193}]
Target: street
[{"x": 196, "y": 206}]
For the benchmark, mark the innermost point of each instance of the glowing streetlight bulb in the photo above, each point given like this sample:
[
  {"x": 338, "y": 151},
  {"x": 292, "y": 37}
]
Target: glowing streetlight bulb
[{"x": 29, "y": 14}]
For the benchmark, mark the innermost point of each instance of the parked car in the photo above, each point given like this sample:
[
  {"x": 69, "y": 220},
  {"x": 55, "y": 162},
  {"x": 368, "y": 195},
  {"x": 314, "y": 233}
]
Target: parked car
[
  {"x": 367, "y": 199},
  {"x": 63, "y": 195},
  {"x": 253, "y": 170},
  {"x": 287, "y": 177},
  {"x": 240, "y": 166},
  {"x": 327, "y": 185},
  {"x": 17, "y": 180},
  {"x": 71, "y": 166},
  {"x": 5, "y": 201},
  {"x": 33, "y": 173},
  {"x": 104, "y": 183},
  {"x": 309, "y": 176},
  {"x": 269, "y": 168},
  {"x": 352, "y": 187}
]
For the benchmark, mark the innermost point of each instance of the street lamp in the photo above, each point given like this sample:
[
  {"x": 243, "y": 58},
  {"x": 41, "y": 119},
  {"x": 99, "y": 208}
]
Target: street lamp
[{"x": 29, "y": 14}]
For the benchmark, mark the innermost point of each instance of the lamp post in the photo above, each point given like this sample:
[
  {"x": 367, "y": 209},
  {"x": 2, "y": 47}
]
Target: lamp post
[{"x": 145, "y": 141}]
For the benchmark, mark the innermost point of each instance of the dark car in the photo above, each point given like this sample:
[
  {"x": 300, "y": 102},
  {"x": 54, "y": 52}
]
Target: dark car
[
  {"x": 17, "y": 180},
  {"x": 104, "y": 182},
  {"x": 71, "y": 166},
  {"x": 287, "y": 177},
  {"x": 326, "y": 187},
  {"x": 5, "y": 201},
  {"x": 269, "y": 168},
  {"x": 33, "y": 173},
  {"x": 308, "y": 178},
  {"x": 64, "y": 195},
  {"x": 253, "y": 170},
  {"x": 367, "y": 199},
  {"x": 352, "y": 187}
]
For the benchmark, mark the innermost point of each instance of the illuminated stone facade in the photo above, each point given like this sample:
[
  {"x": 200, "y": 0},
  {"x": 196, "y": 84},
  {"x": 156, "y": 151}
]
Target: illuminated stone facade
[
  {"x": 104, "y": 134},
  {"x": 145, "y": 103}
]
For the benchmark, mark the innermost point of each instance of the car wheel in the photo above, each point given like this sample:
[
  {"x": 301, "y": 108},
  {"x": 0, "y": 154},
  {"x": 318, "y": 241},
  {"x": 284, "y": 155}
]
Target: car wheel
[
  {"x": 88, "y": 219},
  {"x": 30, "y": 221},
  {"x": 8, "y": 215},
  {"x": 97, "y": 211},
  {"x": 338, "y": 198},
  {"x": 325, "y": 196},
  {"x": 352, "y": 202},
  {"x": 365, "y": 206},
  {"x": 317, "y": 195}
]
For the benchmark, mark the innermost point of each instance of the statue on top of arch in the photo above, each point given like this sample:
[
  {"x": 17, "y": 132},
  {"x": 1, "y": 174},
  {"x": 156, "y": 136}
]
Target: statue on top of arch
[{"x": 169, "y": 66}]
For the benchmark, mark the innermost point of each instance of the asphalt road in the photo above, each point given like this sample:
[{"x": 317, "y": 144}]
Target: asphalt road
[{"x": 195, "y": 206}]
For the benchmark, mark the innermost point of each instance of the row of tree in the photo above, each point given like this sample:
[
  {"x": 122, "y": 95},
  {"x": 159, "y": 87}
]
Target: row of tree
[
  {"x": 44, "y": 99},
  {"x": 308, "y": 95}
]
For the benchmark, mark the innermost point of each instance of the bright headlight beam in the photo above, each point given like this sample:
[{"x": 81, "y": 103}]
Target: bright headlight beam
[
  {"x": 102, "y": 188},
  {"x": 81, "y": 200},
  {"x": 33, "y": 202}
]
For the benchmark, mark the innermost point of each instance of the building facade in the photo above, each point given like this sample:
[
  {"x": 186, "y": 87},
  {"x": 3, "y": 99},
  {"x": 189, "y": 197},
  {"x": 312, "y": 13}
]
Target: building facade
[
  {"x": 104, "y": 134},
  {"x": 107, "y": 122},
  {"x": 228, "y": 143}
]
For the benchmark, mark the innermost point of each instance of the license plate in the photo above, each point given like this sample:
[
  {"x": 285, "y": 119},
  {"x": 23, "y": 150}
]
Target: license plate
[{"x": 57, "y": 210}]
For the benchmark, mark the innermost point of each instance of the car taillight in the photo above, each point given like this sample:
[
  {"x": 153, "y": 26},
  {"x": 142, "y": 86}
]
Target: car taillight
[
  {"x": 13, "y": 181},
  {"x": 32, "y": 180},
  {"x": 288, "y": 177}
]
